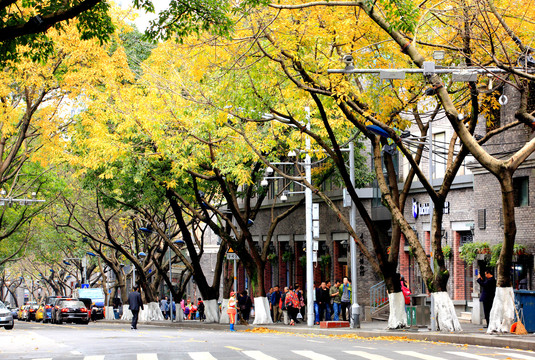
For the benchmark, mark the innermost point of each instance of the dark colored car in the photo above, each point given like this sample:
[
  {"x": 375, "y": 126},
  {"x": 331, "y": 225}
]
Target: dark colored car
[
  {"x": 14, "y": 312},
  {"x": 96, "y": 312},
  {"x": 71, "y": 310},
  {"x": 47, "y": 307},
  {"x": 53, "y": 310},
  {"x": 32, "y": 310}
]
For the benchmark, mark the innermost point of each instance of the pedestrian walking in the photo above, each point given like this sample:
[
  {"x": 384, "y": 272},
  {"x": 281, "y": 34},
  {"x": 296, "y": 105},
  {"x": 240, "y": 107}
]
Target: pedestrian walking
[
  {"x": 334, "y": 291},
  {"x": 164, "y": 307},
  {"x": 135, "y": 304},
  {"x": 488, "y": 290},
  {"x": 323, "y": 299},
  {"x": 292, "y": 305},
  {"x": 276, "y": 304},
  {"x": 345, "y": 298},
  {"x": 231, "y": 311},
  {"x": 200, "y": 309},
  {"x": 117, "y": 307},
  {"x": 245, "y": 305}
]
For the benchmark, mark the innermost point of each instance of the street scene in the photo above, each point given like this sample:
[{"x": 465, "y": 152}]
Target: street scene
[
  {"x": 112, "y": 341},
  {"x": 267, "y": 179}
]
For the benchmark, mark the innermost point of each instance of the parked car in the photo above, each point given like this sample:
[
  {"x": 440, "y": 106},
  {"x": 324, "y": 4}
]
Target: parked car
[
  {"x": 44, "y": 312},
  {"x": 32, "y": 310},
  {"x": 54, "y": 309},
  {"x": 23, "y": 313},
  {"x": 14, "y": 312},
  {"x": 71, "y": 310},
  {"x": 6, "y": 319}
]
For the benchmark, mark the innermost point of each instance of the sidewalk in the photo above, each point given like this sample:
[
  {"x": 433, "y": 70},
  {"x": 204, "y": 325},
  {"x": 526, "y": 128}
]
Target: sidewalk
[{"x": 471, "y": 334}]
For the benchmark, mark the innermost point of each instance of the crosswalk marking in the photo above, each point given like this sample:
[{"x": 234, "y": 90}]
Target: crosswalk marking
[
  {"x": 468, "y": 355},
  {"x": 257, "y": 355},
  {"x": 43, "y": 359},
  {"x": 367, "y": 355},
  {"x": 312, "y": 355},
  {"x": 147, "y": 356},
  {"x": 94, "y": 357},
  {"x": 519, "y": 356},
  {"x": 414, "y": 354},
  {"x": 201, "y": 355}
]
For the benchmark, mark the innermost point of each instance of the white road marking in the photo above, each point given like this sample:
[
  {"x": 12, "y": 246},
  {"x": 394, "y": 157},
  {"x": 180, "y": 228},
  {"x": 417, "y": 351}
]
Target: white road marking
[
  {"x": 43, "y": 359},
  {"x": 518, "y": 356},
  {"x": 364, "y": 347},
  {"x": 75, "y": 352},
  {"x": 312, "y": 355},
  {"x": 468, "y": 355},
  {"x": 258, "y": 355},
  {"x": 367, "y": 355},
  {"x": 201, "y": 355},
  {"x": 316, "y": 341},
  {"x": 94, "y": 357},
  {"x": 414, "y": 354},
  {"x": 149, "y": 356}
]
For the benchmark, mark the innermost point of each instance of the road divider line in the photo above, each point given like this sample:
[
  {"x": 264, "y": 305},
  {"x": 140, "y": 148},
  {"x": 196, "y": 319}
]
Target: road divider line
[
  {"x": 95, "y": 357},
  {"x": 233, "y": 348},
  {"x": 414, "y": 354},
  {"x": 519, "y": 356},
  {"x": 201, "y": 355},
  {"x": 467, "y": 355},
  {"x": 367, "y": 355},
  {"x": 148, "y": 356},
  {"x": 257, "y": 355},
  {"x": 312, "y": 355}
]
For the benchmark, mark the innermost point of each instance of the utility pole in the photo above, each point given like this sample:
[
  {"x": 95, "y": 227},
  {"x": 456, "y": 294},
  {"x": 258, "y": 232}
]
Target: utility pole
[
  {"x": 309, "y": 229},
  {"x": 355, "y": 308},
  {"x": 430, "y": 142}
]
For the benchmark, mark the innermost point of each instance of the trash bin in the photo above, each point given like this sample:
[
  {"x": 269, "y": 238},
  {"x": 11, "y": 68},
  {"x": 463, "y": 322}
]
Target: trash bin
[
  {"x": 525, "y": 303},
  {"x": 418, "y": 315}
]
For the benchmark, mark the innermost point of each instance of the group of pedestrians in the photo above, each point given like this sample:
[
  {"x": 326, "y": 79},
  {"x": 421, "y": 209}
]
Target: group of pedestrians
[
  {"x": 168, "y": 308},
  {"x": 332, "y": 300},
  {"x": 289, "y": 301}
]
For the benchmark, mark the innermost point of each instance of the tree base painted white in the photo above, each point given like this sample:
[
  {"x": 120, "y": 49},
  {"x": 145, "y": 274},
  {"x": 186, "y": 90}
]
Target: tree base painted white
[
  {"x": 445, "y": 315},
  {"x": 211, "y": 311},
  {"x": 127, "y": 314},
  {"x": 398, "y": 316},
  {"x": 502, "y": 314},
  {"x": 109, "y": 314},
  {"x": 179, "y": 313},
  {"x": 151, "y": 312},
  {"x": 262, "y": 314},
  {"x": 224, "y": 319}
]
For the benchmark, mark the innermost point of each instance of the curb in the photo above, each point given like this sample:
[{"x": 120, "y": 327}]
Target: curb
[{"x": 501, "y": 341}]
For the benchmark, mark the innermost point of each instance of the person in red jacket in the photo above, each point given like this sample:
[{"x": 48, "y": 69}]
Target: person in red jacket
[{"x": 231, "y": 311}]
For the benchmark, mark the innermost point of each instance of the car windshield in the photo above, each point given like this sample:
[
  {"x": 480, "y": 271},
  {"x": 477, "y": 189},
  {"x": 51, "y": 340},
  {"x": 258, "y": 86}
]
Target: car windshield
[
  {"x": 72, "y": 304},
  {"x": 2, "y": 306}
]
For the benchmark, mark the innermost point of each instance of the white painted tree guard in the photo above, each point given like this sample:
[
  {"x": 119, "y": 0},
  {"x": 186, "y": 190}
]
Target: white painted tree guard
[
  {"x": 179, "y": 313},
  {"x": 398, "y": 316},
  {"x": 262, "y": 315},
  {"x": 211, "y": 311},
  {"x": 151, "y": 312},
  {"x": 445, "y": 315},
  {"x": 127, "y": 314},
  {"x": 110, "y": 315},
  {"x": 224, "y": 319},
  {"x": 502, "y": 313}
]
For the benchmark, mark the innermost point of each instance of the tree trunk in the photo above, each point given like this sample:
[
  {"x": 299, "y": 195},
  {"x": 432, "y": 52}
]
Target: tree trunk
[{"x": 502, "y": 313}]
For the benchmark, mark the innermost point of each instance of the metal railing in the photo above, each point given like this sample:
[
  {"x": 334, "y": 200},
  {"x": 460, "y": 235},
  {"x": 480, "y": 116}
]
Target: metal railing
[{"x": 378, "y": 296}]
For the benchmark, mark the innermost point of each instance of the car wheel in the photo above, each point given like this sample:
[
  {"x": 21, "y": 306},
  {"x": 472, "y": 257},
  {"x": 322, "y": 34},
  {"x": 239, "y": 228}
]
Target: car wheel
[{"x": 9, "y": 327}]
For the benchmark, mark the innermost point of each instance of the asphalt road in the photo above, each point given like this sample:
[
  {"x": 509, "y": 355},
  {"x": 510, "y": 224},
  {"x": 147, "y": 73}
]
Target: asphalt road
[{"x": 116, "y": 341}]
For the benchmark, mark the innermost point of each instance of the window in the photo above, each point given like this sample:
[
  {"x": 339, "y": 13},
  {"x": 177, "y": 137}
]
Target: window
[
  {"x": 440, "y": 155},
  {"x": 521, "y": 191}
]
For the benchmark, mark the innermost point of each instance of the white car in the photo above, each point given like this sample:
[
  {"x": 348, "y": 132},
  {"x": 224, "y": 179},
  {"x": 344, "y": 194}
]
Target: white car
[{"x": 6, "y": 318}]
